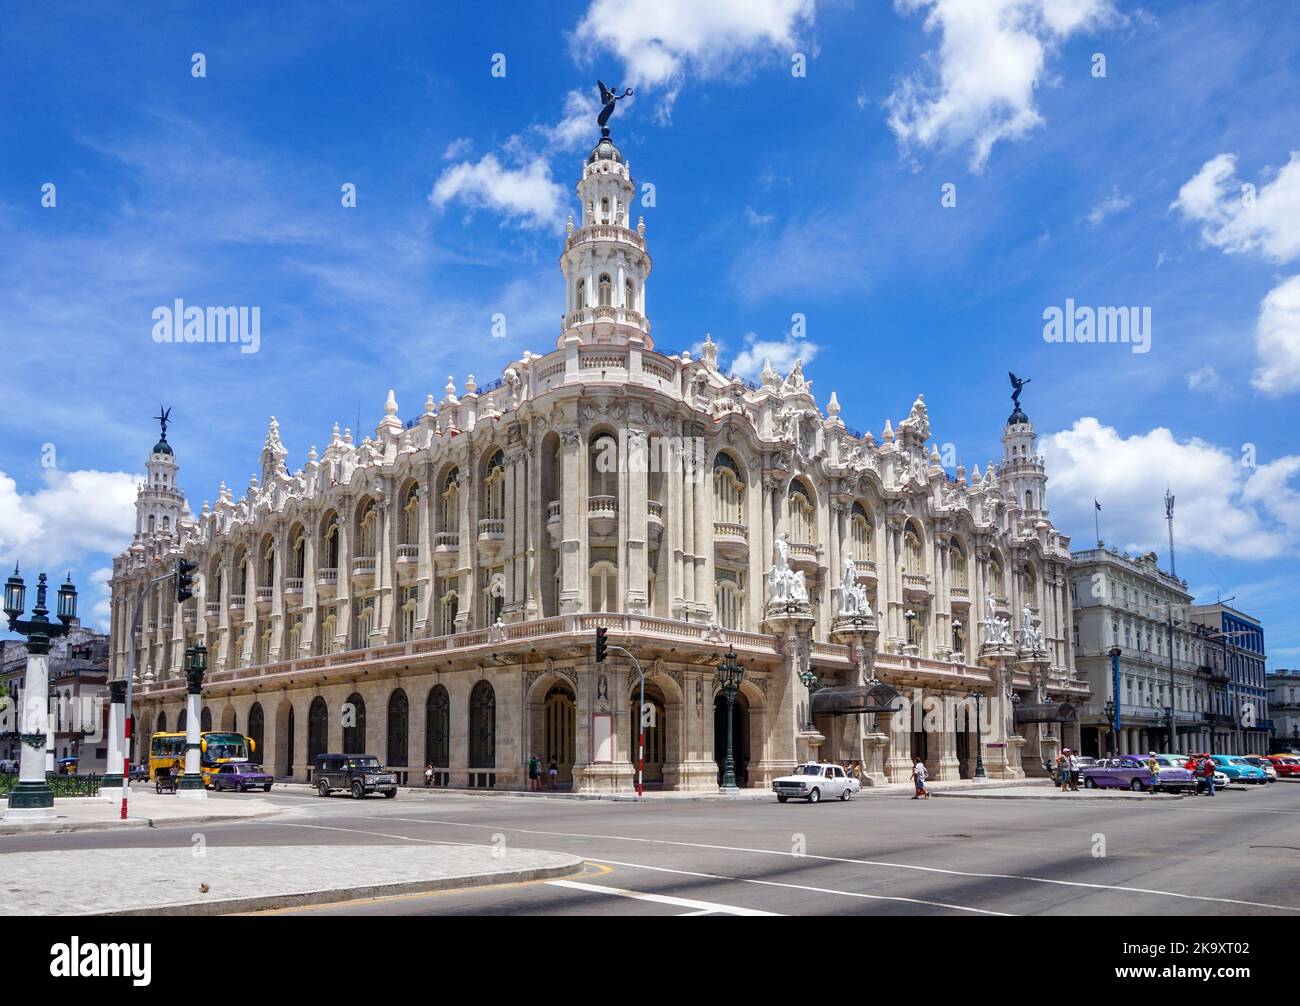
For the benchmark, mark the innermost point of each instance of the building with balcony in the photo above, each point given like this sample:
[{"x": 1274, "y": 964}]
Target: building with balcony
[
  {"x": 1128, "y": 602},
  {"x": 1240, "y": 641},
  {"x": 1283, "y": 687},
  {"x": 442, "y": 578}
]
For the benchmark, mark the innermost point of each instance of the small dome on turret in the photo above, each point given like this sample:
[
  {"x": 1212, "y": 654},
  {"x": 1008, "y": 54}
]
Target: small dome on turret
[
  {"x": 605, "y": 150},
  {"x": 162, "y": 447}
]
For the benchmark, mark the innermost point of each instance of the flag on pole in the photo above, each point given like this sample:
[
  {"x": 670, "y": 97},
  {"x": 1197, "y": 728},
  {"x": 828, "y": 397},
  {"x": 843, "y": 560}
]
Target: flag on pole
[{"x": 1096, "y": 504}]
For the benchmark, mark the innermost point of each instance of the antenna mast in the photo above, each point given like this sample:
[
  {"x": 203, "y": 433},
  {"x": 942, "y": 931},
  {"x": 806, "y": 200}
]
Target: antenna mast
[{"x": 1169, "y": 516}]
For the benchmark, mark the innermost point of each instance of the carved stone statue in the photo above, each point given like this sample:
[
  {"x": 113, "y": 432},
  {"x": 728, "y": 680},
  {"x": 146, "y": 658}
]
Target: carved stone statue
[
  {"x": 607, "y": 101},
  {"x": 1030, "y": 638},
  {"x": 997, "y": 631},
  {"x": 853, "y": 596},
  {"x": 784, "y": 583}
]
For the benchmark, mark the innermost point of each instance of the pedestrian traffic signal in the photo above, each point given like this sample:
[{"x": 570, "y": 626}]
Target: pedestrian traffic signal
[
  {"x": 600, "y": 644},
  {"x": 184, "y": 579}
]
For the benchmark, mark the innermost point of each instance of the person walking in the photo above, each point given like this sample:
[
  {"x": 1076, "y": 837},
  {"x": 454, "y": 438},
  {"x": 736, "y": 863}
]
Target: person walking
[
  {"x": 534, "y": 773},
  {"x": 428, "y": 775},
  {"x": 919, "y": 776},
  {"x": 1207, "y": 773},
  {"x": 553, "y": 770}
]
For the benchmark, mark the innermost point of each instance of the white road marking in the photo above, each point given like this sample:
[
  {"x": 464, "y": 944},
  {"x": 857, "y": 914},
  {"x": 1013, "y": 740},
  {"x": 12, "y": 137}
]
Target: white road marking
[
  {"x": 700, "y": 907},
  {"x": 865, "y": 862},
  {"x": 801, "y": 887}
]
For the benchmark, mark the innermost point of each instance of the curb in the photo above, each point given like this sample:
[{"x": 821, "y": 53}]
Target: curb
[
  {"x": 68, "y": 827},
  {"x": 1147, "y": 797},
  {"x": 273, "y": 901}
]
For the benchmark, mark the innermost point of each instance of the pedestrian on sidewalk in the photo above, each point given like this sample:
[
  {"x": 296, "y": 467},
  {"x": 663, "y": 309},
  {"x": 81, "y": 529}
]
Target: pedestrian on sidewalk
[
  {"x": 919, "y": 775},
  {"x": 1207, "y": 772},
  {"x": 554, "y": 772},
  {"x": 1072, "y": 767},
  {"x": 534, "y": 773},
  {"x": 428, "y": 775}
]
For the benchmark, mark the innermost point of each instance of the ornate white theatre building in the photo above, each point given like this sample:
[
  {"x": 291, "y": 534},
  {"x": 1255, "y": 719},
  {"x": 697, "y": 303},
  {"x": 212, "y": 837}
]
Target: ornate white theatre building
[{"x": 430, "y": 594}]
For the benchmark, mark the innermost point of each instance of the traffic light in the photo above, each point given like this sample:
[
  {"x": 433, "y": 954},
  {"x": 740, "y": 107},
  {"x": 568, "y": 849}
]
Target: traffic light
[
  {"x": 185, "y": 579},
  {"x": 600, "y": 644}
]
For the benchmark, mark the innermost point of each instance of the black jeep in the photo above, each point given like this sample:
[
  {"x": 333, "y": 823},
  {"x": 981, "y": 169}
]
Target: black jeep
[{"x": 359, "y": 774}]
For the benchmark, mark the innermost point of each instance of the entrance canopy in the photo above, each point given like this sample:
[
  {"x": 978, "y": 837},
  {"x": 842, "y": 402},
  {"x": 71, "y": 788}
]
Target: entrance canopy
[
  {"x": 1047, "y": 712},
  {"x": 850, "y": 700}
]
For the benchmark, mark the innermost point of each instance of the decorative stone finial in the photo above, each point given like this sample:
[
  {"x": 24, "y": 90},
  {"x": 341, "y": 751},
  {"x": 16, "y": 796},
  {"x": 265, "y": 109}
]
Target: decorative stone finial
[
  {"x": 833, "y": 406},
  {"x": 390, "y": 406}
]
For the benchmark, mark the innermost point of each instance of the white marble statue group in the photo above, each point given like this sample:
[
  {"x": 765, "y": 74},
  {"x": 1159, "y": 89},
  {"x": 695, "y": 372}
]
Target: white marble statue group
[
  {"x": 997, "y": 631},
  {"x": 783, "y": 583},
  {"x": 1030, "y": 638},
  {"x": 853, "y": 596}
]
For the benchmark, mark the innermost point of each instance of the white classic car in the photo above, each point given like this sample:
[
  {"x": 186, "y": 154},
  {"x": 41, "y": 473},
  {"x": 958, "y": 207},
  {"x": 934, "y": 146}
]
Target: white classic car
[{"x": 816, "y": 781}]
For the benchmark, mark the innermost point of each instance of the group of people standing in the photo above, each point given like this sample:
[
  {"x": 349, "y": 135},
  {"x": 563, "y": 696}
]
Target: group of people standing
[{"x": 535, "y": 774}]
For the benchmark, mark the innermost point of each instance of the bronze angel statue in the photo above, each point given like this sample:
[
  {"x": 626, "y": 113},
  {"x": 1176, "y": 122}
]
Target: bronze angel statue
[
  {"x": 1018, "y": 386},
  {"x": 607, "y": 100}
]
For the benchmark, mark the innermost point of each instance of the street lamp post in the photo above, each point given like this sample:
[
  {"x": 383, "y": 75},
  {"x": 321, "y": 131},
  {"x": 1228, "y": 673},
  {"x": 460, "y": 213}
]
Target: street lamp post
[
  {"x": 1109, "y": 710},
  {"x": 196, "y": 663},
  {"x": 979, "y": 737},
  {"x": 32, "y": 798},
  {"x": 730, "y": 675},
  {"x": 809, "y": 678}
]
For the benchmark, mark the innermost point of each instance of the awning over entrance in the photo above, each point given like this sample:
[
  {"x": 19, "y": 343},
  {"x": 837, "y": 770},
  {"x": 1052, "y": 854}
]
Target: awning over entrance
[
  {"x": 850, "y": 700},
  {"x": 1047, "y": 712}
]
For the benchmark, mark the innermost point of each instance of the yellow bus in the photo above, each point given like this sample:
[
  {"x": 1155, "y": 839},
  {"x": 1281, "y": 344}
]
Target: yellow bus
[{"x": 216, "y": 747}]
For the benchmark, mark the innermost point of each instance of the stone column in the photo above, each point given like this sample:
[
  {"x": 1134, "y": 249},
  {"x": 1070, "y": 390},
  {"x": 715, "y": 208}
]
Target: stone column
[
  {"x": 633, "y": 517},
  {"x": 31, "y": 799},
  {"x": 306, "y": 641},
  {"x": 424, "y": 563},
  {"x": 573, "y": 515}
]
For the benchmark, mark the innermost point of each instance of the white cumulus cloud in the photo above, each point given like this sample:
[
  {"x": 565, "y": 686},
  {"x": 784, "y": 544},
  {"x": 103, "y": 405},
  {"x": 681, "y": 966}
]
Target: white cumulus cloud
[
  {"x": 1226, "y": 507},
  {"x": 979, "y": 85},
  {"x": 1277, "y": 339},
  {"x": 781, "y": 352},
  {"x": 528, "y": 194},
  {"x": 1242, "y": 217},
  {"x": 661, "y": 43}
]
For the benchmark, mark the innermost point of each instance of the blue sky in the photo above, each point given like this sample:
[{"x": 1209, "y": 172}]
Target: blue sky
[{"x": 775, "y": 194}]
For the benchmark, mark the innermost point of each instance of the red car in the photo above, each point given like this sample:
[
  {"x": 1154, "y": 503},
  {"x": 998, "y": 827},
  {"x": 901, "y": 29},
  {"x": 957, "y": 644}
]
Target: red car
[{"x": 1286, "y": 765}]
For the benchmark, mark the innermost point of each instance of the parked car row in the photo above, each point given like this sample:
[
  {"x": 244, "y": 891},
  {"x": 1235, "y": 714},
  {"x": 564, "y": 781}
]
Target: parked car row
[{"x": 1132, "y": 772}]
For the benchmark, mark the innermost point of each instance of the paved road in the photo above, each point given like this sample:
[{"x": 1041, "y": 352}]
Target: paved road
[{"x": 1236, "y": 854}]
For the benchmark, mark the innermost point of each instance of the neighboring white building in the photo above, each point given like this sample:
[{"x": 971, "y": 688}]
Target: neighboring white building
[
  {"x": 444, "y": 576},
  {"x": 1284, "y": 706},
  {"x": 1129, "y": 602}
]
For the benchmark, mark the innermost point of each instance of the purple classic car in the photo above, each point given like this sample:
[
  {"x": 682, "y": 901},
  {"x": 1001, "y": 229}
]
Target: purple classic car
[
  {"x": 1131, "y": 772},
  {"x": 242, "y": 776}
]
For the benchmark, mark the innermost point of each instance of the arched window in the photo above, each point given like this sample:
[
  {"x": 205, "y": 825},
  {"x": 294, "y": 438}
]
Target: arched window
[
  {"x": 205, "y": 720},
  {"x": 354, "y": 725},
  {"x": 257, "y": 730},
  {"x": 799, "y": 514},
  {"x": 729, "y": 599},
  {"x": 1029, "y": 500},
  {"x": 997, "y": 582},
  {"x": 181, "y": 721},
  {"x": 367, "y": 525},
  {"x": 365, "y": 620},
  {"x": 293, "y": 638},
  {"x": 297, "y": 553},
  {"x": 728, "y": 491},
  {"x": 494, "y": 598},
  {"x": 859, "y": 534},
  {"x": 151, "y": 523},
  {"x": 629, "y": 295},
  {"x": 494, "y": 488},
  {"x": 604, "y": 209},
  {"x": 447, "y": 607},
  {"x": 399, "y": 728},
  {"x": 318, "y": 721},
  {"x": 956, "y": 564},
  {"x": 450, "y": 502},
  {"x": 330, "y": 543},
  {"x": 411, "y": 516},
  {"x": 913, "y": 552},
  {"x": 161, "y": 726},
  {"x": 604, "y": 466},
  {"x": 482, "y": 727},
  {"x": 410, "y": 609},
  {"x": 605, "y": 288},
  {"x": 604, "y": 586},
  {"x": 437, "y": 728},
  {"x": 580, "y": 295},
  {"x": 264, "y": 644},
  {"x": 328, "y": 628},
  {"x": 266, "y": 568}
]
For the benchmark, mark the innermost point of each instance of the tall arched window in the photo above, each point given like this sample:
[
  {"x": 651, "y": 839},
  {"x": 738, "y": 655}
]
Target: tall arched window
[
  {"x": 354, "y": 725},
  {"x": 367, "y": 525},
  {"x": 859, "y": 533},
  {"x": 956, "y": 564},
  {"x": 161, "y": 726},
  {"x": 297, "y": 553},
  {"x": 629, "y": 295},
  {"x": 580, "y": 295},
  {"x": 604, "y": 586},
  {"x": 447, "y": 607},
  {"x": 318, "y": 723},
  {"x": 604, "y": 466},
  {"x": 330, "y": 543},
  {"x": 913, "y": 552},
  {"x": 482, "y": 726},
  {"x": 729, "y": 599},
  {"x": 997, "y": 582},
  {"x": 365, "y": 620},
  {"x": 799, "y": 513},
  {"x": 257, "y": 730},
  {"x": 450, "y": 502},
  {"x": 728, "y": 491},
  {"x": 411, "y": 516},
  {"x": 494, "y": 488},
  {"x": 328, "y": 627},
  {"x": 205, "y": 720},
  {"x": 399, "y": 728},
  {"x": 437, "y": 728},
  {"x": 605, "y": 288}
]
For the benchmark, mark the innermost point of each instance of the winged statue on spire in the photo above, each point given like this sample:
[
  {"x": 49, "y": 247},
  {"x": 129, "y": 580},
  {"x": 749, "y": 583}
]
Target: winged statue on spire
[{"x": 607, "y": 100}]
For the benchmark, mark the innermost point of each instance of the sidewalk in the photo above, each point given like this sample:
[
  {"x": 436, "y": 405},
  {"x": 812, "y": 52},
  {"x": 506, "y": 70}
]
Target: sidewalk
[
  {"x": 202, "y": 880},
  {"x": 145, "y": 809}
]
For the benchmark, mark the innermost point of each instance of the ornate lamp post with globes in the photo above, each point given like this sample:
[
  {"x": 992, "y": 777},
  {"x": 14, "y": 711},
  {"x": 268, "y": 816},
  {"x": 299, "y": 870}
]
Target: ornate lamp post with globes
[
  {"x": 32, "y": 799},
  {"x": 730, "y": 675}
]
